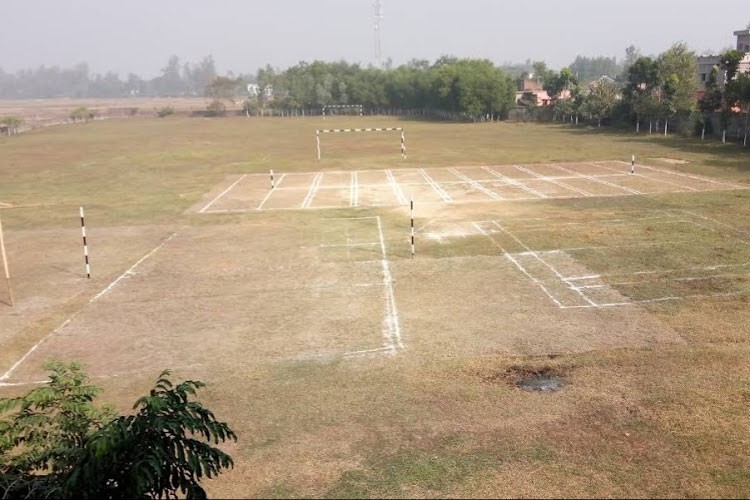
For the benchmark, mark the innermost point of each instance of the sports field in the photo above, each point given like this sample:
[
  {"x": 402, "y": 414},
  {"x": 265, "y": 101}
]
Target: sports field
[{"x": 349, "y": 367}]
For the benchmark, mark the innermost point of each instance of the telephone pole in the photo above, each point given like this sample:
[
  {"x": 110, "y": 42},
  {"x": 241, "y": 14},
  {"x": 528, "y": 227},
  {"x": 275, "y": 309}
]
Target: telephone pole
[{"x": 378, "y": 8}]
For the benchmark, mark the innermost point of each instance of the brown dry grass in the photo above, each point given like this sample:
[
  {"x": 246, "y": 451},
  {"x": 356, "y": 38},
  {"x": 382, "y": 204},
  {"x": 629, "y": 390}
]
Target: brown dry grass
[{"x": 656, "y": 399}]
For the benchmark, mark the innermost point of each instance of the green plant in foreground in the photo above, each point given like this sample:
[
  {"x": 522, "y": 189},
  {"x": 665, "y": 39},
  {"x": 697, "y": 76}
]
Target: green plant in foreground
[{"x": 58, "y": 445}]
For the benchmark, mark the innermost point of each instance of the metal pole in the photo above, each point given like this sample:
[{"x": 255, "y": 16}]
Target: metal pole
[
  {"x": 271, "y": 178},
  {"x": 85, "y": 246},
  {"x": 632, "y": 165},
  {"x": 403, "y": 144},
  {"x": 5, "y": 265},
  {"x": 317, "y": 138}
]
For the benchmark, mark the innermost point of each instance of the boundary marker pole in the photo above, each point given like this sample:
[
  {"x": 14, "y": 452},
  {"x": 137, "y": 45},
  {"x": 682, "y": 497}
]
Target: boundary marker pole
[
  {"x": 85, "y": 245},
  {"x": 5, "y": 264},
  {"x": 272, "y": 179},
  {"x": 632, "y": 164},
  {"x": 411, "y": 211}
]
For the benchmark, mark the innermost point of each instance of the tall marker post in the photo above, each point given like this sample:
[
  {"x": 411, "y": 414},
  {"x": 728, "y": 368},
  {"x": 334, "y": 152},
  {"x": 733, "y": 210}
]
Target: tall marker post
[
  {"x": 5, "y": 265},
  {"x": 403, "y": 144},
  {"x": 317, "y": 139},
  {"x": 271, "y": 178},
  {"x": 411, "y": 212},
  {"x": 632, "y": 164},
  {"x": 85, "y": 245}
]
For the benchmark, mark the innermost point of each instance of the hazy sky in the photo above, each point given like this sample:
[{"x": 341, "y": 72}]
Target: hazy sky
[{"x": 139, "y": 35}]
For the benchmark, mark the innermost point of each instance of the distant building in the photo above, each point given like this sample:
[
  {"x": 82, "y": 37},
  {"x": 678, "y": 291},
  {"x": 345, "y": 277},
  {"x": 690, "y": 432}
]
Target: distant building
[
  {"x": 530, "y": 92},
  {"x": 707, "y": 63}
]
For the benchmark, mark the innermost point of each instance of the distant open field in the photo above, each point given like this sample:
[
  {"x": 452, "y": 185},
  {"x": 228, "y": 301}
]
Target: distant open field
[{"x": 349, "y": 368}]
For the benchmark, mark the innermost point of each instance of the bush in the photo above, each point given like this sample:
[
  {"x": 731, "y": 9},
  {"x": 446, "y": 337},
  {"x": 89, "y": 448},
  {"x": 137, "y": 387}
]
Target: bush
[
  {"x": 165, "y": 111},
  {"x": 216, "y": 108},
  {"x": 58, "y": 445}
]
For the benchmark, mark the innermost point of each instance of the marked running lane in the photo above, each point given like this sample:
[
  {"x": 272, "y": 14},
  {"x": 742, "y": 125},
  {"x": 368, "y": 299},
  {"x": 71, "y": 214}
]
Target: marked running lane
[
  {"x": 129, "y": 272},
  {"x": 203, "y": 210}
]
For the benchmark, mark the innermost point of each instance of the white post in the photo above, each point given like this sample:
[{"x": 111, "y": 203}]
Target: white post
[
  {"x": 317, "y": 138},
  {"x": 403, "y": 144},
  {"x": 632, "y": 165},
  {"x": 5, "y": 265},
  {"x": 271, "y": 178},
  {"x": 85, "y": 246},
  {"x": 411, "y": 212}
]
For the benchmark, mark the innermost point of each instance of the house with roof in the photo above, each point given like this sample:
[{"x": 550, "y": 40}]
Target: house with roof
[{"x": 707, "y": 63}]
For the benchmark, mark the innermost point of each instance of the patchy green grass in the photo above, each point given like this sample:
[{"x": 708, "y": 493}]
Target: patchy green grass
[{"x": 655, "y": 419}]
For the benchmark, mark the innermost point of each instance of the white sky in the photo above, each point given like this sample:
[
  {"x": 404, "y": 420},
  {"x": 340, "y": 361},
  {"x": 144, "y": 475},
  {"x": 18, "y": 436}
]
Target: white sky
[{"x": 139, "y": 35}]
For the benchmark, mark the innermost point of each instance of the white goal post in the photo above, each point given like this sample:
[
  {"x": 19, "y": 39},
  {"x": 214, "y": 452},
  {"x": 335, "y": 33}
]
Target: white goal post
[
  {"x": 346, "y": 130},
  {"x": 356, "y": 107}
]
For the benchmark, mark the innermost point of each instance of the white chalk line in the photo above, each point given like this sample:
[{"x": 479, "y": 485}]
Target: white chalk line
[
  {"x": 396, "y": 188},
  {"x": 109, "y": 287},
  {"x": 270, "y": 192},
  {"x": 435, "y": 186},
  {"x": 695, "y": 177},
  {"x": 553, "y": 181},
  {"x": 354, "y": 190},
  {"x": 476, "y": 185},
  {"x": 203, "y": 210},
  {"x": 312, "y": 191},
  {"x": 514, "y": 182},
  {"x": 391, "y": 326},
  {"x": 637, "y": 174},
  {"x": 519, "y": 266},
  {"x": 700, "y": 216},
  {"x": 597, "y": 179},
  {"x": 552, "y": 268}
]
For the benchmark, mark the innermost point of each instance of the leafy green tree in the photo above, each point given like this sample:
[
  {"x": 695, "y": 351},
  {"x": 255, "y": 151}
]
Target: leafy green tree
[
  {"x": 601, "y": 100},
  {"x": 730, "y": 64},
  {"x": 59, "y": 445},
  {"x": 677, "y": 73},
  {"x": 43, "y": 441},
  {"x": 711, "y": 100},
  {"x": 742, "y": 87},
  {"x": 12, "y": 124},
  {"x": 642, "y": 86}
]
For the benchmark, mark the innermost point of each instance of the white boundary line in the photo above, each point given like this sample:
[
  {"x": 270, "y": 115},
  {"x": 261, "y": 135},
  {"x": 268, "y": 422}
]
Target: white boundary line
[
  {"x": 552, "y": 180},
  {"x": 515, "y": 183},
  {"x": 354, "y": 190},
  {"x": 696, "y": 177},
  {"x": 312, "y": 191},
  {"x": 597, "y": 179},
  {"x": 518, "y": 265},
  {"x": 539, "y": 258},
  {"x": 270, "y": 192},
  {"x": 396, "y": 188},
  {"x": 435, "y": 186},
  {"x": 476, "y": 185},
  {"x": 128, "y": 272},
  {"x": 636, "y": 174},
  {"x": 203, "y": 210},
  {"x": 391, "y": 327}
]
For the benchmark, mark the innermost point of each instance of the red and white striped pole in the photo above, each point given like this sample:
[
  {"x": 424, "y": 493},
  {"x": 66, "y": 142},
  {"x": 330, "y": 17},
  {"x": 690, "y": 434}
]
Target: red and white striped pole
[
  {"x": 411, "y": 212},
  {"x": 85, "y": 245}
]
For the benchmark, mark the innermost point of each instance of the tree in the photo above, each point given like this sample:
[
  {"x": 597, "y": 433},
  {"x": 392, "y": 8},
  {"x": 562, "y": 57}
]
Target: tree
[
  {"x": 742, "y": 87},
  {"x": 11, "y": 124},
  {"x": 601, "y": 100},
  {"x": 59, "y": 445},
  {"x": 730, "y": 64},
  {"x": 641, "y": 88},
  {"x": 711, "y": 100},
  {"x": 677, "y": 73}
]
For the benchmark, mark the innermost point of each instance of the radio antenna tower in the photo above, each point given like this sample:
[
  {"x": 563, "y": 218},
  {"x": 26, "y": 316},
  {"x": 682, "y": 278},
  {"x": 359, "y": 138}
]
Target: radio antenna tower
[{"x": 378, "y": 7}]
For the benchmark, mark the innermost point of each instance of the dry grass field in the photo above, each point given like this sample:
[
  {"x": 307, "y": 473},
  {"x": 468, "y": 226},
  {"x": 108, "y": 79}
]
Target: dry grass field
[{"x": 349, "y": 368}]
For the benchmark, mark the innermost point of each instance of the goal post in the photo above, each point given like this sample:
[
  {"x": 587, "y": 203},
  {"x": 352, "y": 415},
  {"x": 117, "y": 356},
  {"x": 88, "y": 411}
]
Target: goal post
[
  {"x": 328, "y": 109},
  {"x": 349, "y": 130}
]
